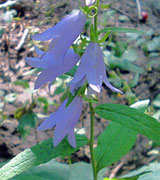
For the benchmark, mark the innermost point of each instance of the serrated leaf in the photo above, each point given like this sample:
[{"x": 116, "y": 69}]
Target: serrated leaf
[
  {"x": 131, "y": 118},
  {"x": 39, "y": 154},
  {"x": 22, "y": 83},
  {"x": 115, "y": 141}
]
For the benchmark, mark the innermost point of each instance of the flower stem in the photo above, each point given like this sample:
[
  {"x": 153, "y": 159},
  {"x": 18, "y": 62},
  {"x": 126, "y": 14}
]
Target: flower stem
[
  {"x": 96, "y": 17},
  {"x": 92, "y": 141}
]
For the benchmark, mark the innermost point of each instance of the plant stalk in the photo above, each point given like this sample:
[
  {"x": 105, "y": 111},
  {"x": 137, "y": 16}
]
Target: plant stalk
[
  {"x": 92, "y": 141},
  {"x": 94, "y": 166},
  {"x": 96, "y": 17}
]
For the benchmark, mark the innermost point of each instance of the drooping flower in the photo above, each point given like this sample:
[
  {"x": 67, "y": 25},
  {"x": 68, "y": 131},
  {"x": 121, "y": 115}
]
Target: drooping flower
[
  {"x": 90, "y": 2},
  {"x": 56, "y": 69},
  {"x": 63, "y": 34},
  {"x": 65, "y": 119},
  {"x": 92, "y": 69}
]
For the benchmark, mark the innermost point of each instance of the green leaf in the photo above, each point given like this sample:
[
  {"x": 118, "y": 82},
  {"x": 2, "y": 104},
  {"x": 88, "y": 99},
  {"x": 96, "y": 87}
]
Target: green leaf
[
  {"x": 27, "y": 121},
  {"x": 23, "y": 83},
  {"x": 39, "y": 154},
  {"x": 113, "y": 143},
  {"x": 120, "y": 30},
  {"x": 59, "y": 171},
  {"x": 59, "y": 90},
  {"x": 81, "y": 171},
  {"x": 104, "y": 38},
  {"x": 70, "y": 99},
  {"x": 136, "y": 177},
  {"x": 149, "y": 172},
  {"x": 130, "y": 55},
  {"x": 105, "y": 6},
  {"x": 131, "y": 118},
  {"x": 125, "y": 65},
  {"x": 48, "y": 171}
]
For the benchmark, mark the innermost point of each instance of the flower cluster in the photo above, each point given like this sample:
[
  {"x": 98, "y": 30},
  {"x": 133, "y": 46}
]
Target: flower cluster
[{"x": 59, "y": 59}]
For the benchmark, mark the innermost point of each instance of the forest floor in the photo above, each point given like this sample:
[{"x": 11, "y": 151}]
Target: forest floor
[{"x": 36, "y": 17}]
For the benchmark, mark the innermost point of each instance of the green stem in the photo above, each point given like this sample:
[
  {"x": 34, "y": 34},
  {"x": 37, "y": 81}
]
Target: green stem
[
  {"x": 92, "y": 141},
  {"x": 96, "y": 17},
  {"x": 94, "y": 166}
]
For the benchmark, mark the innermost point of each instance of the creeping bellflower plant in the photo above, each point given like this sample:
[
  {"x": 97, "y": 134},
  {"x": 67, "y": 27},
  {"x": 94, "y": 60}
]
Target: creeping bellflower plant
[
  {"x": 59, "y": 59},
  {"x": 85, "y": 55}
]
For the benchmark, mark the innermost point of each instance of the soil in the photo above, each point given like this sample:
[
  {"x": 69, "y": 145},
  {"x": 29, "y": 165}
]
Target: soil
[{"x": 38, "y": 17}]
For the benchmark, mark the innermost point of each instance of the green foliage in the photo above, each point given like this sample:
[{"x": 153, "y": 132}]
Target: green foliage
[
  {"x": 121, "y": 63},
  {"x": 60, "y": 171},
  {"x": 131, "y": 118},
  {"x": 26, "y": 123},
  {"x": 44, "y": 102},
  {"x": 120, "y": 48},
  {"x": 115, "y": 141},
  {"x": 39, "y": 154},
  {"x": 22, "y": 83},
  {"x": 149, "y": 172}
]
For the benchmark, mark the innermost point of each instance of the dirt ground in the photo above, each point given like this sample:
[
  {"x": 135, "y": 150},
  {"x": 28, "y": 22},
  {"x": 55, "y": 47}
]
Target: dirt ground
[{"x": 12, "y": 67}]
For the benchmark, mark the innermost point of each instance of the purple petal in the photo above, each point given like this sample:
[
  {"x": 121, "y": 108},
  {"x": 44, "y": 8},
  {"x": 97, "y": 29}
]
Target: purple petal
[
  {"x": 39, "y": 51},
  {"x": 35, "y": 62},
  {"x": 72, "y": 139},
  {"x": 65, "y": 119},
  {"x": 109, "y": 85},
  {"x": 48, "y": 123},
  {"x": 68, "y": 26},
  {"x": 68, "y": 120},
  {"x": 56, "y": 69}
]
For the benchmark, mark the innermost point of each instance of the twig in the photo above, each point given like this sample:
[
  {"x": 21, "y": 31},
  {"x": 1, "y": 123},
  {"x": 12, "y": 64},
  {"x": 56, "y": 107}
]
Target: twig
[
  {"x": 20, "y": 44},
  {"x": 139, "y": 9},
  {"x": 116, "y": 169}
]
